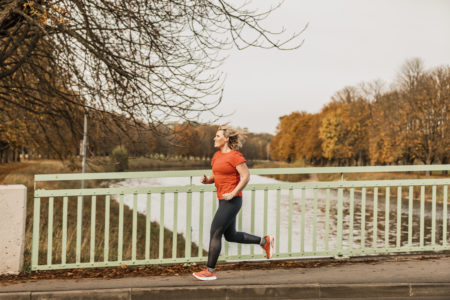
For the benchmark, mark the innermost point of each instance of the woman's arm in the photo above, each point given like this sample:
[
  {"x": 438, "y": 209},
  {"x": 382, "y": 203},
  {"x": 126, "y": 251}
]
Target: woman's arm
[
  {"x": 245, "y": 178},
  {"x": 207, "y": 180}
]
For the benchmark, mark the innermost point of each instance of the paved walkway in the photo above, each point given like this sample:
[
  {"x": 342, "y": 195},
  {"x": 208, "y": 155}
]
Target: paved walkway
[{"x": 410, "y": 278}]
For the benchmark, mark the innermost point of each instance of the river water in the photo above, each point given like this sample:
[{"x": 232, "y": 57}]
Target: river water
[{"x": 296, "y": 215}]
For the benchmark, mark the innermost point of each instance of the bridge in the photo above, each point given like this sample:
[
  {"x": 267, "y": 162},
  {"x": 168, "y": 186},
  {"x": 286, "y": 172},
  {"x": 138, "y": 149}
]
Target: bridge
[{"x": 164, "y": 217}]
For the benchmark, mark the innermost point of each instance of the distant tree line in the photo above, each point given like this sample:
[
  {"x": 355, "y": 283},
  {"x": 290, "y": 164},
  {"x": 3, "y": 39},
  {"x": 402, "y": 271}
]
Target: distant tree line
[
  {"x": 370, "y": 125},
  {"x": 24, "y": 134}
]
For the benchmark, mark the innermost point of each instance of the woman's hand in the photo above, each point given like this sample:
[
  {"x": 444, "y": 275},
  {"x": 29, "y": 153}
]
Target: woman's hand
[
  {"x": 207, "y": 180},
  {"x": 228, "y": 196}
]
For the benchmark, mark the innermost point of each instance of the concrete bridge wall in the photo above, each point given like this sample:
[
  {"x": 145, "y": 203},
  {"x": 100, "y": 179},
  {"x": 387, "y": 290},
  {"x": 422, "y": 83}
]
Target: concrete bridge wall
[{"x": 13, "y": 204}]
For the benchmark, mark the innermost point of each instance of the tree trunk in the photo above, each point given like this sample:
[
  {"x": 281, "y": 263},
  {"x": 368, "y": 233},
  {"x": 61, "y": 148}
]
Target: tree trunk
[{"x": 428, "y": 162}]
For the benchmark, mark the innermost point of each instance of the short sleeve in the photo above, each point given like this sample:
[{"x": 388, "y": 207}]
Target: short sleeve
[{"x": 237, "y": 159}]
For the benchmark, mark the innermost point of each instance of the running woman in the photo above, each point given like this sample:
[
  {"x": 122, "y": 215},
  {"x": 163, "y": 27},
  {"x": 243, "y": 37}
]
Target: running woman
[{"x": 230, "y": 175}]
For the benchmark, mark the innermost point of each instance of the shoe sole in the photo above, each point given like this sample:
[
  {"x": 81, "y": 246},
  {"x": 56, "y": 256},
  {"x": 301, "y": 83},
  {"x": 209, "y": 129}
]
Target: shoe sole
[
  {"x": 204, "y": 278},
  {"x": 272, "y": 246}
]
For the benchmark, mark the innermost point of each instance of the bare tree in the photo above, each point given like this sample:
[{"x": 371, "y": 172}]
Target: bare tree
[
  {"x": 149, "y": 60},
  {"x": 425, "y": 95}
]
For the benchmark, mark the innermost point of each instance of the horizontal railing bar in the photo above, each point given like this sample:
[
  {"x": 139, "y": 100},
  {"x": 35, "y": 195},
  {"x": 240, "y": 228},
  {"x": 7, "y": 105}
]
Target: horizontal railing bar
[
  {"x": 267, "y": 171},
  {"x": 117, "y": 264},
  {"x": 209, "y": 188},
  {"x": 135, "y": 190},
  {"x": 294, "y": 255}
]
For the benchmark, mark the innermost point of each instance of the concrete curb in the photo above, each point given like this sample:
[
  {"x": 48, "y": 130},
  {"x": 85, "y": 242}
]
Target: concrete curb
[{"x": 291, "y": 291}]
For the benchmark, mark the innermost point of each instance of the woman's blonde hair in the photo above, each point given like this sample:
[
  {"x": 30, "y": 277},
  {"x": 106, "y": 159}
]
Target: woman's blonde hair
[{"x": 235, "y": 137}]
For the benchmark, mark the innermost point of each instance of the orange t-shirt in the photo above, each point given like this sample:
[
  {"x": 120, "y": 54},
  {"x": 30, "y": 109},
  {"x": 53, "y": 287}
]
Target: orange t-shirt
[{"x": 226, "y": 177}]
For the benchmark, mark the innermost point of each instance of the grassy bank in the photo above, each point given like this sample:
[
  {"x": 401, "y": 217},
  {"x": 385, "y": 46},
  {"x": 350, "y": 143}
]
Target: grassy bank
[
  {"x": 380, "y": 176},
  {"x": 350, "y": 176},
  {"x": 24, "y": 174}
]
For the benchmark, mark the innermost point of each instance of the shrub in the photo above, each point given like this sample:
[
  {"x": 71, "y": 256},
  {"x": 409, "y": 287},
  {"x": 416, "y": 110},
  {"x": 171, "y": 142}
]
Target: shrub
[{"x": 119, "y": 159}]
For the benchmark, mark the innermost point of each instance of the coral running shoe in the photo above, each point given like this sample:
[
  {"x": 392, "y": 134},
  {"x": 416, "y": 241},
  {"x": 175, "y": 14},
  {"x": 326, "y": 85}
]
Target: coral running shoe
[
  {"x": 205, "y": 275},
  {"x": 269, "y": 246}
]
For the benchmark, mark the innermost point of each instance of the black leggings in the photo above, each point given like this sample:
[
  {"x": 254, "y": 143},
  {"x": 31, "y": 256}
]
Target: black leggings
[{"x": 224, "y": 223}]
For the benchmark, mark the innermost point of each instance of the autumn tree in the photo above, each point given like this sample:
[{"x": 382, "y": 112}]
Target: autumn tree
[
  {"x": 138, "y": 139},
  {"x": 206, "y": 134},
  {"x": 387, "y": 135},
  {"x": 425, "y": 95},
  {"x": 52, "y": 136},
  {"x": 282, "y": 146},
  {"x": 185, "y": 140},
  {"x": 12, "y": 131},
  {"x": 344, "y": 128},
  {"x": 308, "y": 144},
  {"x": 367, "y": 123},
  {"x": 255, "y": 145}
]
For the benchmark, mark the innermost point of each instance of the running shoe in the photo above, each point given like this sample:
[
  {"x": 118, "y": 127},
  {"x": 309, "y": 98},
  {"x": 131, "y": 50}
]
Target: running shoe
[
  {"x": 205, "y": 275},
  {"x": 269, "y": 246}
]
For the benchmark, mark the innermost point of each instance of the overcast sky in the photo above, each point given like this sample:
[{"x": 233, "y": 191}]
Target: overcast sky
[{"x": 346, "y": 42}]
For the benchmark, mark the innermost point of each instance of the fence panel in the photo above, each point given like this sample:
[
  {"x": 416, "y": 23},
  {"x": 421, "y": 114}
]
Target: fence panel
[{"x": 308, "y": 219}]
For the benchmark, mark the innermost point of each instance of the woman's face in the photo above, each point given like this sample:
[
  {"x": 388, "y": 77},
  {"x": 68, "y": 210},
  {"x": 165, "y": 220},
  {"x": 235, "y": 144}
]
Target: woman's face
[{"x": 220, "y": 140}]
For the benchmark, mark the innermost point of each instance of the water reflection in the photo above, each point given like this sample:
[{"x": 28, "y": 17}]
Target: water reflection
[{"x": 380, "y": 216}]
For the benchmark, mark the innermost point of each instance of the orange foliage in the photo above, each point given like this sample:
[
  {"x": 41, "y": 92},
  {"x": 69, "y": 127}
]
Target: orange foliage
[{"x": 405, "y": 125}]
